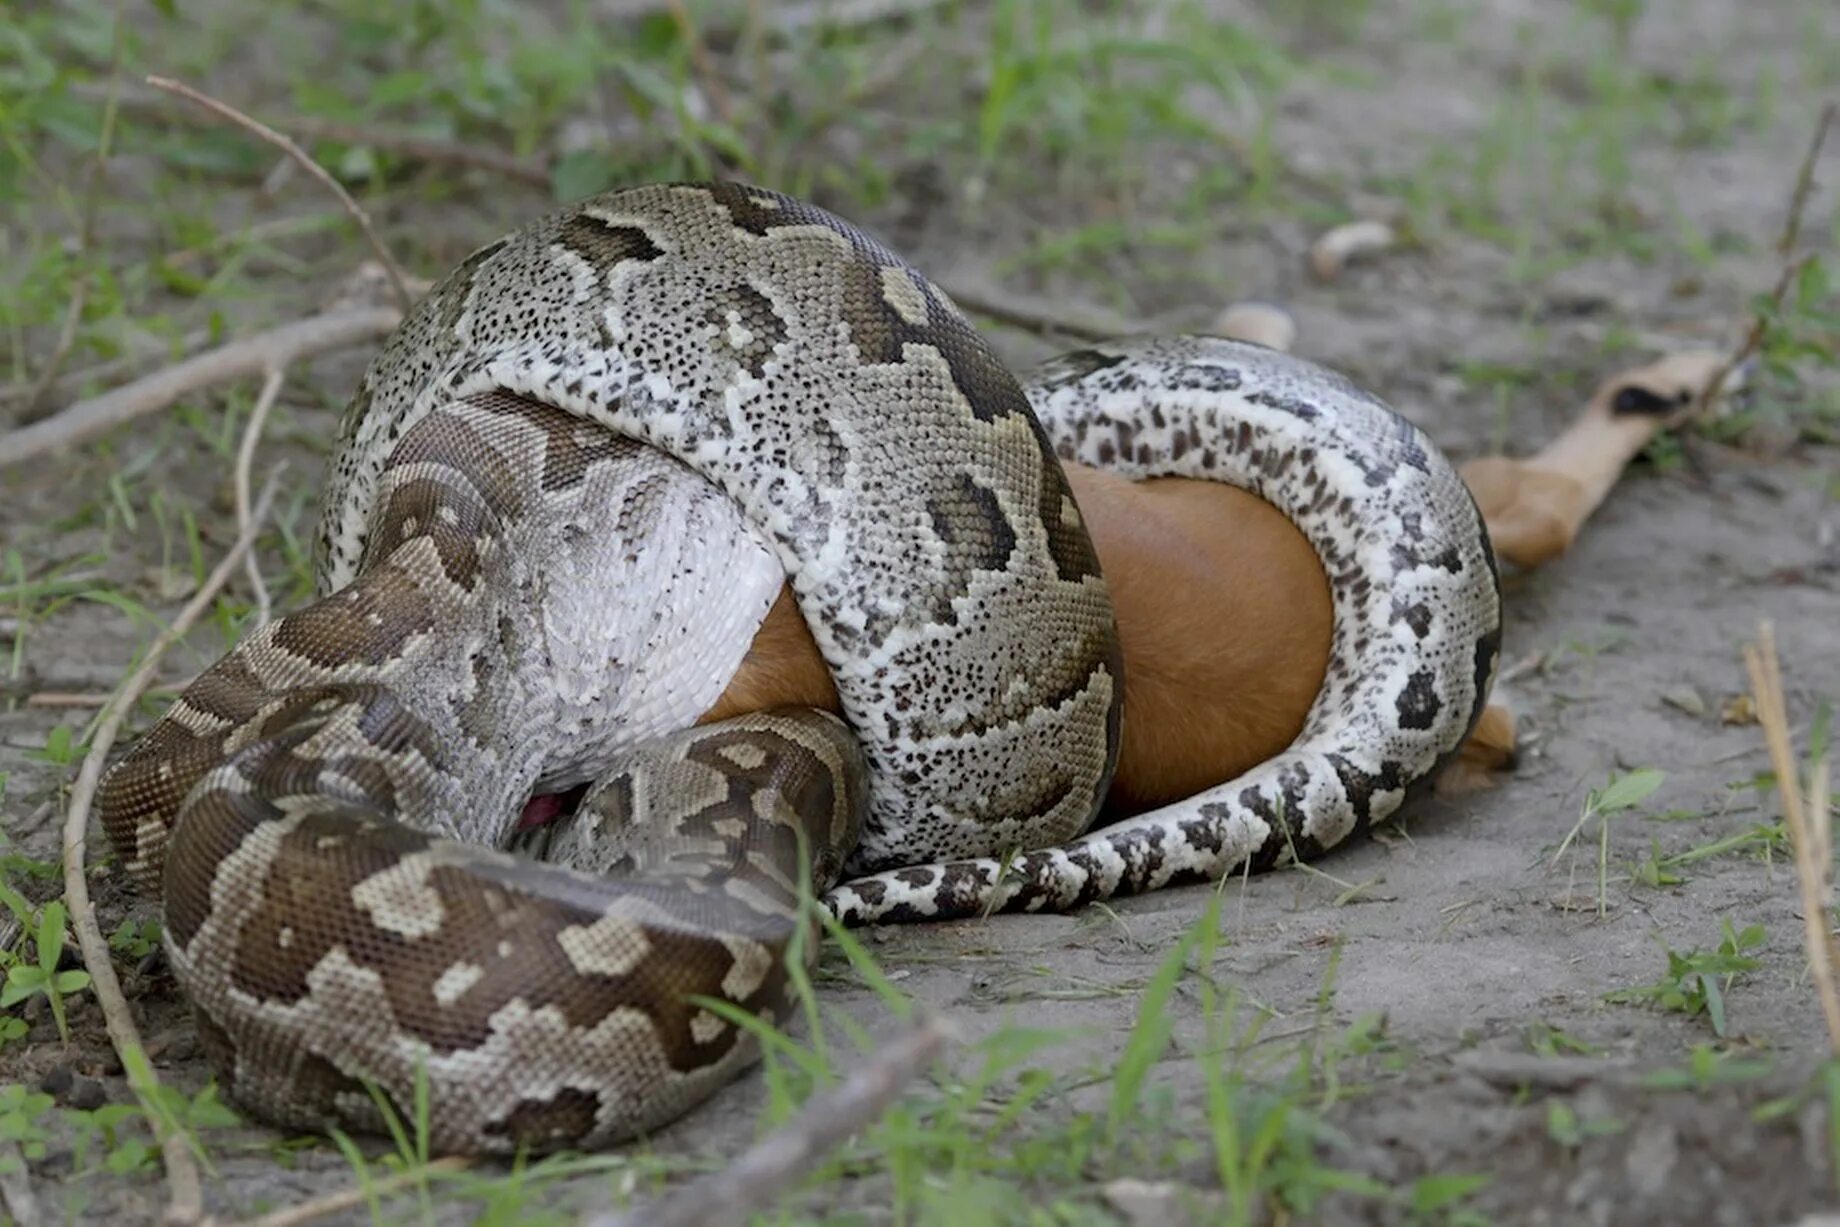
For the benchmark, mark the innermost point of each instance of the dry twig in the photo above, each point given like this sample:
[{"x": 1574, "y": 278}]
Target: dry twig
[
  {"x": 346, "y": 1199},
  {"x": 184, "y": 1204},
  {"x": 534, "y": 171},
  {"x": 263, "y": 352},
  {"x": 16, "y": 1196},
  {"x": 426, "y": 149},
  {"x": 70, "y": 381},
  {"x": 86, "y": 238},
  {"x": 1036, "y": 316},
  {"x": 245, "y": 456},
  {"x": 301, "y": 158},
  {"x": 708, "y": 79},
  {"x": 36, "y": 395},
  {"x": 1809, "y": 822},
  {"x": 1791, "y": 269},
  {"x": 835, "y": 15},
  {"x": 1804, "y": 183},
  {"x": 83, "y": 698},
  {"x": 751, "y": 1182}
]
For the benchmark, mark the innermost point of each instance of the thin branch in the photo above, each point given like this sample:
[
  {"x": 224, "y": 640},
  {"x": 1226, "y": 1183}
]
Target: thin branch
[
  {"x": 534, "y": 171},
  {"x": 1035, "y": 316},
  {"x": 86, "y": 235},
  {"x": 83, "y": 698},
  {"x": 708, "y": 80},
  {"x": 185, "y": 1204},
  {"x": 1753, "y": 337},
  {"x": 751, "y": 1182},
  {"x": 245, "y": 456},
  {"x": 301, "y": 157},
  {"x": 248, "y": 356},
  {"x": 70, "y": 381},
  {"x": 1804, "y": 183},
  {"x": 60, "y": 351},
  {"x": 837, "y": 15},
  {"x": 345, "y": 1199},
  {"x": 1810, "y": 825},
  {"x": 426, "y": 149},
  {"x": 16, "y": 1196},
  {"x": 1792, "y": 267}
]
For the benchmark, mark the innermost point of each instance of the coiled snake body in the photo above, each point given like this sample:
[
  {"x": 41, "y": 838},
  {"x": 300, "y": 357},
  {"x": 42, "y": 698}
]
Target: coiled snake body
[{"x": 568, "y": 490}]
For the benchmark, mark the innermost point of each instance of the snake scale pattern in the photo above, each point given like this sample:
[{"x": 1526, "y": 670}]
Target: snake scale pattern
[{"x": 567, "y": 491}]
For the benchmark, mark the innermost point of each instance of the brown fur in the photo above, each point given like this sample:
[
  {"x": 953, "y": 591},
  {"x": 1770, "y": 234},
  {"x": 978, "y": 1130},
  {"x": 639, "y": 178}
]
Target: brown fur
[
  {"x": 1224, "y": 615},
  {"x": 1223, "y": 608}
]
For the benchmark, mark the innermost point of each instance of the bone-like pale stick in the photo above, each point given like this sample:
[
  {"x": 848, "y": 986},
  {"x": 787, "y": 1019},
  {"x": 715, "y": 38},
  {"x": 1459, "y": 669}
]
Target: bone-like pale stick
[{"x": 1535, "y": 507}]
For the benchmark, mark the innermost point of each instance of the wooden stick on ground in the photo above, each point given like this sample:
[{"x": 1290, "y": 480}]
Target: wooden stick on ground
[
  {"x": 83, "y": 698},
  {"x": 245, "y": 456},
  {"x": 357, "y": 1195},
  {"x": 35, "y": 395},
  {"x": 281, "y": 141},
  {"x": 185, "y": 1204},
  {"x": 1536, "y": 506},
  {"x": 703, "y": 68},
  {"x": 16, "y": 1196},
  {"x": 259, "y": 354},
  {"x": 1035, "y": 316},
  {"x": 1810, "y": 826},
  {"x": 771, "y": 1165},
  {"x": 534, "y": 171},
  {"x": 86, "y": 240},
  {"x": 138, "y": 357}
]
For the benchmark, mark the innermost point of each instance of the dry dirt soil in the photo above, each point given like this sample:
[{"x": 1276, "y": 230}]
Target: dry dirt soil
[{"x": 1471, "y": 964}]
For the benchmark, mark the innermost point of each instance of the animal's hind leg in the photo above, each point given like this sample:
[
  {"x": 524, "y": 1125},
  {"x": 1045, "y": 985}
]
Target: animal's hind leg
[{"x": 1536, "y": 507}]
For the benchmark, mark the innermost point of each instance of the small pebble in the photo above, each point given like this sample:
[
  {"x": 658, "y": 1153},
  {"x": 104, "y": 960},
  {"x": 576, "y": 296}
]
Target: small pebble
[
  {"x": 181, "y": 1048},
  {"x": 1344, "y": 244},
  {"x": 87, "y": 1095},
  {"x": 57, "y": 1080}
]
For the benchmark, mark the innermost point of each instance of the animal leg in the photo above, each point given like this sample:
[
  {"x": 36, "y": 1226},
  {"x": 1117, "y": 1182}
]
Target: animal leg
[{"x": 1535, "y": 507}]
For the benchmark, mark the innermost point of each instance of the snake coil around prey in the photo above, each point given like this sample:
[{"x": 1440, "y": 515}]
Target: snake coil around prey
[{"x": 567, "y": 491}]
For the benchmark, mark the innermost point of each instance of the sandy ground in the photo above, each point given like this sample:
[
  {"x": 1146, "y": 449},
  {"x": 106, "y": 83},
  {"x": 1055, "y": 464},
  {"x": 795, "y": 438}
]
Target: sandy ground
[{"x": 1465, "y": 937}]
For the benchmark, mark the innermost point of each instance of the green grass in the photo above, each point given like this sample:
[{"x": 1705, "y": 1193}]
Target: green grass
[
  {"x": 1109, "y": 150},
  {"x": 1696, "y": 982}
]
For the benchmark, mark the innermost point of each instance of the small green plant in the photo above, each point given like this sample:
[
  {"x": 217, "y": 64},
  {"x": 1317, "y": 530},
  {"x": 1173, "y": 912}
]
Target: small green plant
[
  {"x": 1620, "y": 794},
  {"x": 1706, "y": 1067},
  {"x": 1656, "y": 870},
  {"x": 136, "y": 938},
  {"x": 21, "y": 1112},
  {"x": 1439, "y": 1198},
  {"x": 1550, "y": 1041},
  {"x": 25, "y": 980},
  {"x": 1565, "y": 1127},
  {"x": 1696, "y": 982},
  {"x": 60, "y": 748},
  {"x": 18, "y": 863},
  {"x": 1798, "y": 335},
  {"x": 123, "y": 1151}
]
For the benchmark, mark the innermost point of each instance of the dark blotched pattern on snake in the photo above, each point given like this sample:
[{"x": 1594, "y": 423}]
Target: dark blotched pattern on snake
[{"x": 567, "y": 492}]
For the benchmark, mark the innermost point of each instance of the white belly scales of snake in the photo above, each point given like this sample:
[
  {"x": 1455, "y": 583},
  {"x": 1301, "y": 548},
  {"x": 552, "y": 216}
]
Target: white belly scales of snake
[{"x": 567, "y": 491}]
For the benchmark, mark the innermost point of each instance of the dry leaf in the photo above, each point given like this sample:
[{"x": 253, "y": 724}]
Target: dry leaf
[{"x": 1738, "y": 709}]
